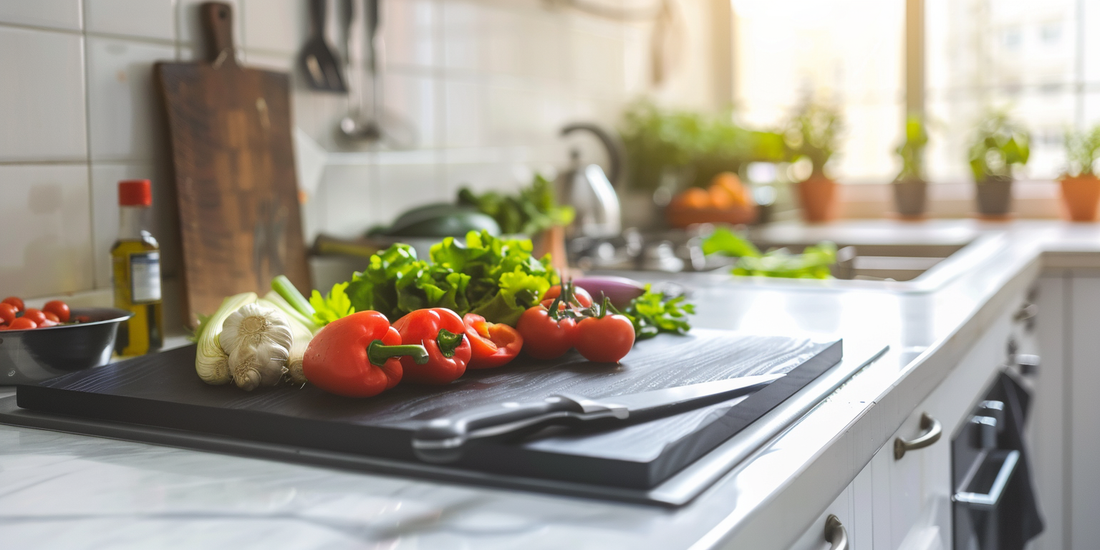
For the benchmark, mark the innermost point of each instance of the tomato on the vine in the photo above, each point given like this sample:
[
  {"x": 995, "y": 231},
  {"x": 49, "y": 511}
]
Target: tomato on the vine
[
  {"x": 605, "y": 338},
  {"x": 580, "y": 295},
  {"x": 544, "y": 336},
  {"x": 58, "y": 308}
]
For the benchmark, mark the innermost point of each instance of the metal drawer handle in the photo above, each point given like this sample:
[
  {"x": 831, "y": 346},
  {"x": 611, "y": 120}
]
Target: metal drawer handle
[
  {"x": 932, "y": 432},
  {"x": 835, "y": 533},
  {"x": 988, "y": 501}
]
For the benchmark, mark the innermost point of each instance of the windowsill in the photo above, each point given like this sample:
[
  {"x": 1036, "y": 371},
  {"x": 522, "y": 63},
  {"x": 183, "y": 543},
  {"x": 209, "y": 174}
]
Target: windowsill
[{"x": 1038, "y": 199}]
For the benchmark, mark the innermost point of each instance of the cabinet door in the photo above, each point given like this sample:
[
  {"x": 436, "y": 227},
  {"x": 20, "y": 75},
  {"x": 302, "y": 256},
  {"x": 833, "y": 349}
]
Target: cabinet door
[
  {"x": 853, "y": 508},
  {"x": 913, "y": 492},
  {"x": 1083, "y": 435},
  {"x": 1045, "y": 432}
]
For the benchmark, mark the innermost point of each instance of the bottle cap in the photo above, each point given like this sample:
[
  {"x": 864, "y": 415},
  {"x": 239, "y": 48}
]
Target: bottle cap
[{"x": 135, "y": 193}]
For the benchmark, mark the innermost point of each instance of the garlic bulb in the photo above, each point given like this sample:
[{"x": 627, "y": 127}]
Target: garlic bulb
[
  {"x": 258, "y": 340},
  {"x": 211, "y": 361},
  {"x": 302, "y": 336}
]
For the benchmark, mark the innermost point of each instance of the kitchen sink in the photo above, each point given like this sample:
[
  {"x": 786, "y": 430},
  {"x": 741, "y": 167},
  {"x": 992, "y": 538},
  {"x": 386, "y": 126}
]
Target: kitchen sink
[{"x": 865, "y": 259}]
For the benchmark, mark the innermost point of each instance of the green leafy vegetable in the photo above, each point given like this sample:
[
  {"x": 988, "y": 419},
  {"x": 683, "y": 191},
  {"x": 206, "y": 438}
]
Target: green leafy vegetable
[
  {"x": 532, "y": 211},
  {"x": 331, "y": 307},
  {"x": 653, "y": 313},
  {"x": 724, "y": 241},
  {"x": 813, "y": 263},
  {"x": 495, "y": 278}
]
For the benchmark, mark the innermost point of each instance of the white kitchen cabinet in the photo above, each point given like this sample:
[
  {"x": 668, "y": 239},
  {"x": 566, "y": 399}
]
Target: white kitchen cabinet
[
  {"x": 853, "y": 508},
  {"x": 1045, "y": 432}
]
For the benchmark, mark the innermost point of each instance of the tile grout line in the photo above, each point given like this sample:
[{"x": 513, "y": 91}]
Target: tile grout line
[{"x": 88, "y": 143}]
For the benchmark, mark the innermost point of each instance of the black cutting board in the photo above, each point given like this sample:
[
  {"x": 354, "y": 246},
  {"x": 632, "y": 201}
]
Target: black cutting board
[{"x": 162, "y": 390}]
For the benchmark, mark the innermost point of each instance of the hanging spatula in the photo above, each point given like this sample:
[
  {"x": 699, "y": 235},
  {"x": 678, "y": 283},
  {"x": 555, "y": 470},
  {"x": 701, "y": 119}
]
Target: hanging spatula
[{"x": 317, "y": 61}]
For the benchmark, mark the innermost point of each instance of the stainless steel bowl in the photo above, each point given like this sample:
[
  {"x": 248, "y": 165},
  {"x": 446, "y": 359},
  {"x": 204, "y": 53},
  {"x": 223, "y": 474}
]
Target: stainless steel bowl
[{"x": 32, "y": 355}]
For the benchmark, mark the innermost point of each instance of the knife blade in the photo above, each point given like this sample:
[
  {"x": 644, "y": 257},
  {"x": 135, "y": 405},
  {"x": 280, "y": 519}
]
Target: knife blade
[{"x": 442, "y": 440}]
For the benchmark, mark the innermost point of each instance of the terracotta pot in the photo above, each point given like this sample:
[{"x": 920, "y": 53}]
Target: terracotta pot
[
  {"x": 552, "y": 241},
  {"x": 994, "y": 195},
  {"x": 910, "y": 197},
  {"x": 818, "y": 198},
  {"x": 1081, "y": 195}
]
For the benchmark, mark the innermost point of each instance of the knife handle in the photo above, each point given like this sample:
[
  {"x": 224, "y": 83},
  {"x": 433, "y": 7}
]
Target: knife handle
[{"x": 442, "y": 440}]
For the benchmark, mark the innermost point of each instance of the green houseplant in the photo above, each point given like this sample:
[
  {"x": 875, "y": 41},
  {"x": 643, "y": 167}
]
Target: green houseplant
[
  {"x": 695, "y": 146},
  {"x": 812, "y": 133},
  {"x": 999, "y": 144},
  {"x": 1080, "y": 186},
  {"x": 910, "y": 187}
]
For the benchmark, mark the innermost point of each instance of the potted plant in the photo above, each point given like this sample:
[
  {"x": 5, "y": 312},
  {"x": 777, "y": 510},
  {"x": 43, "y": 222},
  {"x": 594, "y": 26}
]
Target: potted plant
[
  {"x": 812, "y": 134},
  {"x": 910, "y": 187},
  {"x": 999, "y": 144},
  {"x": 1080, "y": 186}
]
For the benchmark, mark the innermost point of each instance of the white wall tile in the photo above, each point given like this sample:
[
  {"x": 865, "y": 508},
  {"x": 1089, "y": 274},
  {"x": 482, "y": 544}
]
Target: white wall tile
[
  {"x": 52, "y": 253},
  {"x": 351, "y": 196},
  {"x": 404, "y": 186},
  {"x": 409, "y": 32},
  {"x": 275, "y": 25},
  {"x": 460, "y": 35},
  {"x": 412, "y": 99},
  {"x": 465, "y": 113},
  {"x": 138, "y": 18},
  {"x": 189, "y": 25},
  {"x": 162, "y": 220},
  {"x": 125, "y": 118},
  {"x": 59, "y": 14},
  {"x": 42, "y": 96}
]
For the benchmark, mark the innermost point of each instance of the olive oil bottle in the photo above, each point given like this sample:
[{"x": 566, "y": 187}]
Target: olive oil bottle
[{"x": 135, "y": 263}]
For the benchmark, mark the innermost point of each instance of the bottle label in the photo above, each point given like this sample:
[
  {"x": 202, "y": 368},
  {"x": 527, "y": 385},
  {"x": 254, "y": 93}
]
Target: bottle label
[{"x": 145, "y": 277}]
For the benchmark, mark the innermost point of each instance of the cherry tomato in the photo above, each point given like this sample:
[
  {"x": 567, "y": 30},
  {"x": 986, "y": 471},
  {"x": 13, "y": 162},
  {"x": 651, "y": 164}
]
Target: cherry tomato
[
  {"x": 543, "y": 336},
  {"x": 579, "y": 295},
  {"x": 51, "y": 317},
  {"x": 22, "y": 323},
  {"x": 83, "y": 319},
  {"x": 16, "y": 302},
  {"x": 493, "y": 344},
  {"x": 35, "y": 315},
  {"x": 7, "y": 312},
  {"x": 58, "y": 308},
  {"x": 605, "y": 339}
]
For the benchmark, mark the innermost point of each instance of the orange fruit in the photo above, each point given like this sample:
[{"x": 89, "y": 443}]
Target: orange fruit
[{"x": 693, "y": 198}]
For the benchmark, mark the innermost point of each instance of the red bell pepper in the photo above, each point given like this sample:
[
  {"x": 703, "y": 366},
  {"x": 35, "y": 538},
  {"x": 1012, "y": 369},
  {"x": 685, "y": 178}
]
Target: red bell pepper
[
  {"x": 357, "y": 356},
  {"x": 492, "y": 344},
  {"x": 442, "y": 333}
]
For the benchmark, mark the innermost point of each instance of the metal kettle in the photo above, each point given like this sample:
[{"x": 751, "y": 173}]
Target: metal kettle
[{"x": 590, "y": 192}]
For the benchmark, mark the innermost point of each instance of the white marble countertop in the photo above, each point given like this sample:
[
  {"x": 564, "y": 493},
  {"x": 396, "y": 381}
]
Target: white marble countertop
[{"x": 60, "y": 490}]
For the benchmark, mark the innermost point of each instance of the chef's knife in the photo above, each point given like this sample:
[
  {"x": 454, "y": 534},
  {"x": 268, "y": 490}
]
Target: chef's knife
[{"x": 442, "y": 440}]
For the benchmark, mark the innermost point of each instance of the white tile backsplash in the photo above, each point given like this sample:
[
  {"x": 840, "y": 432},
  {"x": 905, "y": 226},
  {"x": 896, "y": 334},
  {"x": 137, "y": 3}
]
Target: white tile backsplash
[
  {"x": 47, "y": 248},
  {"x": 274, "y": 25},
  {"x": 137, "y": 18},
  {"x": 487, "y": 84},
  {"x": 57, "y": 14},
  {"x": 125, "y": 118},
  {"x": 41, "y": 96}
]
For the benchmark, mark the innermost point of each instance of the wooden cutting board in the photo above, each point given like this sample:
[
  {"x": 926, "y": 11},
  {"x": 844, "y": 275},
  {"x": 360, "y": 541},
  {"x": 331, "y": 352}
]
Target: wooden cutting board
[{"x": 233, "y": 161}]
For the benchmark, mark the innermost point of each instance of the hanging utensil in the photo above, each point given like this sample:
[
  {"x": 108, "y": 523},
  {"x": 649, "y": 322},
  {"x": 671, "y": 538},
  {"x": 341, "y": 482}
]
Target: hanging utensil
[
  {"x": 375, "y": 124},
  {"x": 316, "y": 59}
]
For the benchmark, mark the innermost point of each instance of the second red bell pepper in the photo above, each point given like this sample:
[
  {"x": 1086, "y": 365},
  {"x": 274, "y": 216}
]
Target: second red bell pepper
[
  {"x": 492, "y": 344},
  {"x": 356, "y": 356},
  {"x": 442, "y": 333}
]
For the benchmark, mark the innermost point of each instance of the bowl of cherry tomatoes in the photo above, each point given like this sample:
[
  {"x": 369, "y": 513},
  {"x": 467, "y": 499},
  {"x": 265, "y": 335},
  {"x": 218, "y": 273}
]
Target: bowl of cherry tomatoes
[{"x": 41, "y": 343}]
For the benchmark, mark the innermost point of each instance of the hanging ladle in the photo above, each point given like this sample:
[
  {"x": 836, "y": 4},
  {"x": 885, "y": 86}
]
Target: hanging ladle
[{"x": 378, "y": 124}]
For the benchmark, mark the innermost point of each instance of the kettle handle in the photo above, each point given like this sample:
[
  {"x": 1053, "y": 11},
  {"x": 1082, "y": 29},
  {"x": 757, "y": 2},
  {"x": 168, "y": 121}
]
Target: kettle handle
[{"x": 614, "y": 148}]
